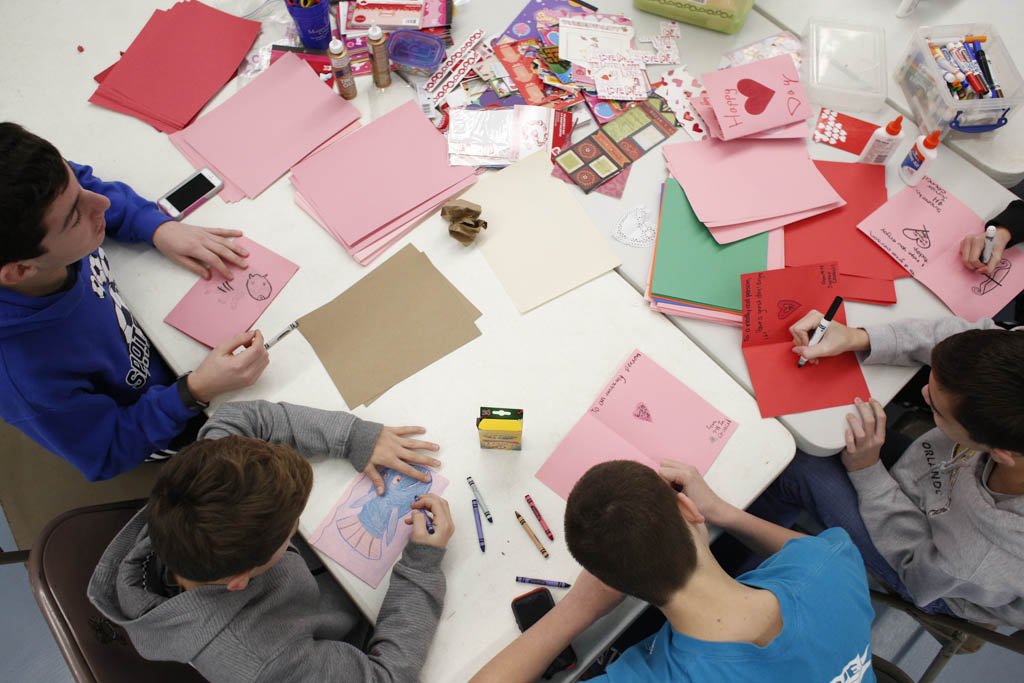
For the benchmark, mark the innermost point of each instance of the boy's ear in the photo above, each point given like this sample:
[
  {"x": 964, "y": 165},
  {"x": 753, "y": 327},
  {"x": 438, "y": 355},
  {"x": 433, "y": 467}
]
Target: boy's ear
[
  {"x": 238, "y": 582},
  {"x": 688, "y": 509},
  {"x": 13, "y": 273},
  {"x": 1005, "y": 457}
]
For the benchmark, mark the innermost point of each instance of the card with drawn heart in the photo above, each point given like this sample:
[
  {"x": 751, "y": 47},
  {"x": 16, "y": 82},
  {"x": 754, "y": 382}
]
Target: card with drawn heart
[
  {"x": 757, "y": 96},
  {"x": 842, "y": 132},
  {"x": 677, "y": 86}
]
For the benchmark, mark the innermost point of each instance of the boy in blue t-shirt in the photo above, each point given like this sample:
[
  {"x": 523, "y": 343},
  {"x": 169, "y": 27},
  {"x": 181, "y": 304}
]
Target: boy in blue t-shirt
[{"x": 803, "y": 615}]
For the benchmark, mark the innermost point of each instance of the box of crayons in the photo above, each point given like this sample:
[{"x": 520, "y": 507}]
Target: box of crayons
[
  {"x": 501, "y": 428},
  {"x": 960, "y": 79}
]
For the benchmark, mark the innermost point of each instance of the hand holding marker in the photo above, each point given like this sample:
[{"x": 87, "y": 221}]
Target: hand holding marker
[
  {"x": 819, "y": 332},
  {"x": 990, "y": 238}
]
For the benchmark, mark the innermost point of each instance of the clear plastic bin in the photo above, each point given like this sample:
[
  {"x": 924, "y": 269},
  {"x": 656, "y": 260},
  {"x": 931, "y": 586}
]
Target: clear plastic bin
[
  {"x": 845, "y": 65},
  {"x": 726, "y": 16},
  {"x": 931, "y": 102}
]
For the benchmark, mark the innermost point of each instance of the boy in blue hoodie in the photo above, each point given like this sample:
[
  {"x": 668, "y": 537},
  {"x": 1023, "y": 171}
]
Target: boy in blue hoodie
[{"x": 77, "y": 373}]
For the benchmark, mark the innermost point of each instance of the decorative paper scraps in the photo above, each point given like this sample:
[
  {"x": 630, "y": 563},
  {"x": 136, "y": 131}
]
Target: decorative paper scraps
[
  {"x": 665, "y": 49},
  {"x": 677, "y": 87},
  {"x": 670, "y": 29},
  {"x": 539, "y": 19},
  {"x": 579, "y": 33},
  {"x": 613, "y": 187},
  {"x": 636, "y": 228},
  {"x": 619, "y": 76},
  {"x": 499, "y": 137},
  {"x": 453, "y": 59},
  {"x": 842, "y": 131},
  {"x": 755, "y": 97}
]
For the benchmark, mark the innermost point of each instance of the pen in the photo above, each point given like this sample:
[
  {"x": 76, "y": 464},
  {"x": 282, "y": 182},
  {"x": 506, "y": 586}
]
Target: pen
[
  {"x": 990, "y": 237},
  {"x": 536, "y": 512},
  {"x": 542, "y": 582},
  {"x": 819, "y": 332},
  {"x": 483, "y": 505},
  {"x": 529, "y": 532},
  {"x": 281, "y": 336},
  {"x": 479, "y": 529}
]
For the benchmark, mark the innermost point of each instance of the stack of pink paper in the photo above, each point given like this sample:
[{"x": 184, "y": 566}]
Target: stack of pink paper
[
  {"x": 748, "y": 186},
  {"x": 370, "y": 188},
  {"x": 266, "y": 128},
  {"x": 179, "y": 60}
]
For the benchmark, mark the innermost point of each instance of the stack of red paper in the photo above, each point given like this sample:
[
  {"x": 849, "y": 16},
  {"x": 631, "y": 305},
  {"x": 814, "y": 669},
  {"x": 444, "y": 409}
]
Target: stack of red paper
[
  {"x": 179, "y": 60},
  {"x": 370, "y": 188}
]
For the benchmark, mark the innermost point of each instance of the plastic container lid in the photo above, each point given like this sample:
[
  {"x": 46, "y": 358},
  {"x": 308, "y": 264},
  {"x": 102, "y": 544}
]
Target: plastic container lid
[
  {"x": 845, "y": 65},
  {"x": 415, "y": 49}
]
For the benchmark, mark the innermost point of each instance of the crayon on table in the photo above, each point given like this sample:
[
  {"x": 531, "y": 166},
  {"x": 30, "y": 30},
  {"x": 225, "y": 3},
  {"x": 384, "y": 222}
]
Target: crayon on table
[
  {"x": 480, "y": 499},
  {"x": 536, "y": 512},
  {"x": 543, "y": 582},
  {"x": 479, "y": 528},
  {"x": 529, "y": 532}
]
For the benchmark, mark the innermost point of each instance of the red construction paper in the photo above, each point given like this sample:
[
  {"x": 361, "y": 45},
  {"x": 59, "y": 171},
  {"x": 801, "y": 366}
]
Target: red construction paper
[
  {"x": 833, "y": 236},
  {"x": 842, "y": 132},
  {"x": 772, "y": 301},
  {"x": 867, "y": 290}
]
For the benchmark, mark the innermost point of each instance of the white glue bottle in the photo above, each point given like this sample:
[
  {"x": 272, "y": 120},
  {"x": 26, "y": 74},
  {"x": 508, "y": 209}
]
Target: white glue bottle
[
  {"x": 883, "y": 142},
  {"x": 920, "y": 156}
]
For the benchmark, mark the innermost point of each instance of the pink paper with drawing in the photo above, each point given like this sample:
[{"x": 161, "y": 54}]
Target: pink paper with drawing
[
  {"x": 365, "y": 533},
  {"x": 757, "y": 96},
  {"x": 921, "y": 228},
  {"x": 644, "y": 414},
  {"x": 217, "y": 309}
]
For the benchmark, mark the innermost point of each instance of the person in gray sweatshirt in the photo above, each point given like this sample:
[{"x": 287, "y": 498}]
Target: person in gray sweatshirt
[
  {"x": 944, "y": 526},
  {"x": 205, "y": 573}
]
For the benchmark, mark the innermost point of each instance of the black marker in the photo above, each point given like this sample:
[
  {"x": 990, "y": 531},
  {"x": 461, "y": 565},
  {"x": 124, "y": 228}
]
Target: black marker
[{"x": 819, "y": 332}]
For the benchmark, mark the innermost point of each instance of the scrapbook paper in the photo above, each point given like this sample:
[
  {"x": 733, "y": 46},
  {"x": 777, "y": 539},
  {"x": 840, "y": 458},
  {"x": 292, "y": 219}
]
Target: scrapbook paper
[
  {"x": 619, "y": 76},
  {"x": 841, "y": 131},
  {"x": 537, "y": 255},
  {"x": 580, "y": 33},
  {"x": 646, "y": 415},
  {"x": 539, "y": 19},
  {"x": 613, "y": 187},
  {"x": 772, "y": 301},
  {"x": 364, "y": 532},
  {"x": 833, "y": 236},
  {"x": 677, "y": 86},
  {"x": 757, "y": 96},
  {"x": 921, "y": 228},
  {"x": 215, "y": 310},
  {"x": 593, "y": 160}
]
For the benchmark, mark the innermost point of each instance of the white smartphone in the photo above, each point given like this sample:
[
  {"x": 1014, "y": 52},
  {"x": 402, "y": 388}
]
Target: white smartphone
[{"x": 190, "y": 194}]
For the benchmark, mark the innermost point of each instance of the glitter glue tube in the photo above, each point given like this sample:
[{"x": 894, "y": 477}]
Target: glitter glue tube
[
  {"x": 379, "y": 57},
  {"x": 342, "y": 65}
]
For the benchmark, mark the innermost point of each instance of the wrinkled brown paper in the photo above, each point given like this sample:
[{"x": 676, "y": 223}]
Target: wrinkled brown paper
[{"x": 464, "y": 218}]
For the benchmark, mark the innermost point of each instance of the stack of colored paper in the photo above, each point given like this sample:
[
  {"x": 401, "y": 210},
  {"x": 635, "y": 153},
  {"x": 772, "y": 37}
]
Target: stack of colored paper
[
  {"x": 749, "y": 186},
  {"x": 370, "y": 188},
  {"x": 266, "y": 128},
  {"x": 695, "y": 277},
  {"x": 179, "y": 60}
]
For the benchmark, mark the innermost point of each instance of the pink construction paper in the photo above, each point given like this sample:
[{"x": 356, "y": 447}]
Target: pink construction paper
[
  {"x": 747, "y": 180},
  {"x": 724, "y": 234},
  {"x": 921, "y": 228},
  {"x": 644, "y": 414},
  {"x": 214, "y": 310},
  {"x": 757, "y": 96},
  {"x": 269, "y": 125},
  {"x": 403, "y": 163},
  {"x": 365, "y": 533}
]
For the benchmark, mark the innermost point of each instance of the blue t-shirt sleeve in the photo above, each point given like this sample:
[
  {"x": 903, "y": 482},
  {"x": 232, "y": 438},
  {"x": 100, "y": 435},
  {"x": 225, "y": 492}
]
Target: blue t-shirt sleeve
[{"x": 130, "y": 218}]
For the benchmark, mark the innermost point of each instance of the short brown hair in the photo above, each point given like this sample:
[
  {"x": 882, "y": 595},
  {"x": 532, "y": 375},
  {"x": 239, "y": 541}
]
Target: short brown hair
[
  {"x": 623, "y": 525},
  {"x": 223, "y": 506}
]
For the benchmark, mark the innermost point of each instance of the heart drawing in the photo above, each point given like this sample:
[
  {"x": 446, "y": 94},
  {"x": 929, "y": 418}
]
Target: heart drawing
[
  {"x": 758, "y": 95},
  {"x": 787, "y": 307},
  {"x": 642, "y": 413}
]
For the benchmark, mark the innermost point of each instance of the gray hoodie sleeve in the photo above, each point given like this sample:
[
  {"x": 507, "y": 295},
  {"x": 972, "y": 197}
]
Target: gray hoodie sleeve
[
  {"x": 910, "y": 341},
  {"x": 308, "y": 430},
  {"x": 405, "y": 628}
]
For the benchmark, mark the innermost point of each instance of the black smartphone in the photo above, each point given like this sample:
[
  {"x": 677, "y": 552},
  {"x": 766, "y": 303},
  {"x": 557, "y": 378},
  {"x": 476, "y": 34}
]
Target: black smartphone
[{"x": 528, "y": 608}]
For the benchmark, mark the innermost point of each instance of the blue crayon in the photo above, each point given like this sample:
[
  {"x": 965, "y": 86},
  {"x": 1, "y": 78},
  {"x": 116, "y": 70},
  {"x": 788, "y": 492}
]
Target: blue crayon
[
  {"x": 542, "y": 582},
  {"x": 479, "y": 529},
  {"x": 430, "y": 525}
]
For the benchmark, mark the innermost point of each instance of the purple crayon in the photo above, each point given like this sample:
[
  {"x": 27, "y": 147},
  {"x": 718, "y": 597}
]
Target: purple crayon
[
  {"x": 542, "y": 582},
  {"x": 479, "y": 529}
]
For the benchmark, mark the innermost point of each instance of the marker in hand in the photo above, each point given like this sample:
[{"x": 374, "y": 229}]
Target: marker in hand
[
  {"x": 990, "y": 238},
  {"x": 819, "y": 331}
]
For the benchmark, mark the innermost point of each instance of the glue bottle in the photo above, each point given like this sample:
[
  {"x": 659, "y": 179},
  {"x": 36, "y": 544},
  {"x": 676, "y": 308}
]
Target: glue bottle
[
  {"x": 920, "y": 156},
  {"x": 379, "y": 57},
  {"x": 882, "y": 143},
  {"x": 342, "y": 66}
]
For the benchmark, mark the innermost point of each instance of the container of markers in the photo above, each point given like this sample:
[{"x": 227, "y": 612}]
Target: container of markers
[{"x": 960, "y": 79}]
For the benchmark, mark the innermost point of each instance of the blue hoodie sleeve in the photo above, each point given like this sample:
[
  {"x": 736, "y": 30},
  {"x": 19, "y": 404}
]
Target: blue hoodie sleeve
[{"x": 130, "y": 218}]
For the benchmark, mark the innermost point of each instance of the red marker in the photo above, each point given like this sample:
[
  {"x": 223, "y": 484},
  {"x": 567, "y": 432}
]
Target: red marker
[{"x": 543, "y": 524}]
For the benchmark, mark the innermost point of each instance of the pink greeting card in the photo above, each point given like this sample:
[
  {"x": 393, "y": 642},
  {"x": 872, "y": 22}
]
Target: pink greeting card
[
  {"x": 757, "y": 96},
  {"x": 365, "y": 532},
  {"x": 217, "y": 309},
  {"x": 644, "y": 414}
]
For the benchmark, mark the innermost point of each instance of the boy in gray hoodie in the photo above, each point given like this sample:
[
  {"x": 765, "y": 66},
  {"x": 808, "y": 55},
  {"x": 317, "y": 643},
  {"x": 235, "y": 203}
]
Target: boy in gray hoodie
[
  {"x": 945, "y": 525},
  {"x": 205, "y": 573}
]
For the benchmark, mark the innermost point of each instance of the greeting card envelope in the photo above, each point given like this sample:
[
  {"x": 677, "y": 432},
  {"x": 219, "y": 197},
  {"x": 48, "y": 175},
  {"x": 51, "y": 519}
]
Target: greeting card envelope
[
  {"x": 757, "y": 96},
  {"x": 833, "y": 236},
  {"x": 772, "y": 302},
  {"x": 365, "y": 533},
  {"x": 921, "y": 227},
  {"x": 842, "y": 132},
  {"x": 646, "y": 415},
  {"x": 215, "y": 310}
]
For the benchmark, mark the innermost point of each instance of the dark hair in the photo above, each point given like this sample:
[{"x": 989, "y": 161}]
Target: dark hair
[
  {"x": 623, "y": 525},
  {"x": 984, "y": 370},
  {"x": 32, "y": 174},
  {"x": 221, "y": 507}
]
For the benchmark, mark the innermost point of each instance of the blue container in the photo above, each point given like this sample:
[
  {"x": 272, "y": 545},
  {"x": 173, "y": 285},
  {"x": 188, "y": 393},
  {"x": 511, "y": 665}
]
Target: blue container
[
  {"x": 414, "y": 52},
  {"x": 314, "y": 23}
]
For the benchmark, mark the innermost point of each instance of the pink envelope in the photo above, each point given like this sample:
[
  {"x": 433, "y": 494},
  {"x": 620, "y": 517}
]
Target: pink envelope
[
  {"x": 644, "y": 414},
  {"x": 757, "y": 96},
  {"x": 214, "y": 310}
]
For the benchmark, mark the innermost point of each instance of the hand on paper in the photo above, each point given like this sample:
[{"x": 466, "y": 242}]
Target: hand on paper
[
  {"x": 223, "y": 370},
  {"x": 972, "y": 246},
  {"x": 838, "y": 338},
  {"x": 200, "y": 249},
  {"x": 394, "y": 451},
  {"x": 865, "y": 436},
  {"x": 440, "y": 515},
  {"x": 687, "y": 479}
]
